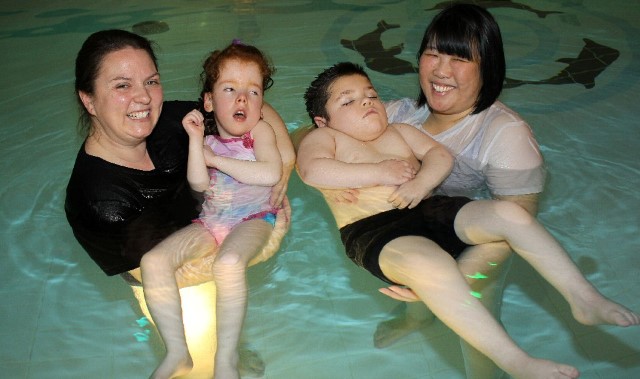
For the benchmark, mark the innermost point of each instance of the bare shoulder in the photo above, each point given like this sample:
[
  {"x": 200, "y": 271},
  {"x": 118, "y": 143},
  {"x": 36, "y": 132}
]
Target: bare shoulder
[
  {"x": 412, "y": 135},
  {"x": 315, "y": 138},
  {"x": 407, "y": 130}
]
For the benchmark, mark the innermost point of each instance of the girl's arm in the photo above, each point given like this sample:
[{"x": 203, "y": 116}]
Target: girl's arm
[
  {"x": 266, "y": 170},
  {"x": 197, "y": 173}
]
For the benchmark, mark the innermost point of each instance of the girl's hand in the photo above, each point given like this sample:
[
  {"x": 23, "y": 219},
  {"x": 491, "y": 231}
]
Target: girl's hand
[{"x": 193, "y": 124}]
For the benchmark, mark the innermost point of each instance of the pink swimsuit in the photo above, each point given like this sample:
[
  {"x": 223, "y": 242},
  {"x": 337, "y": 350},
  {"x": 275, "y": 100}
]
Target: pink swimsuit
[{"x": 228, "y": 202}]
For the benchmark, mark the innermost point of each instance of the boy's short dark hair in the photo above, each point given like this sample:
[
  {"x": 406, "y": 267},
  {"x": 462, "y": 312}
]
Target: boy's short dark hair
[{"x": 317, "y": 95}]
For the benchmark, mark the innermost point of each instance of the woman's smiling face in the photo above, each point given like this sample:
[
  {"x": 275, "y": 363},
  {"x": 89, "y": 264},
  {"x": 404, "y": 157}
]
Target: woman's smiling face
[
  {"x": 451, "y": 84},
  {"x": 127, "y": 99}
]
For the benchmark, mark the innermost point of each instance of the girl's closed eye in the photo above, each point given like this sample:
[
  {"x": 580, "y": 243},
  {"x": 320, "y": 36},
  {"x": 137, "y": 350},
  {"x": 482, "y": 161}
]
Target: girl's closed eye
[{"x": 347, "y": 102}]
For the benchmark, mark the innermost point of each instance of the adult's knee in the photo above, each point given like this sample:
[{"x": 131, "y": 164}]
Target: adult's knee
[{"x": 512, "y": 212}]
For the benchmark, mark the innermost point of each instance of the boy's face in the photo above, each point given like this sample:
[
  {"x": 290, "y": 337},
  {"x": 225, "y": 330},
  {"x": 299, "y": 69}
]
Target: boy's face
[{"x": 354, "y": 109}]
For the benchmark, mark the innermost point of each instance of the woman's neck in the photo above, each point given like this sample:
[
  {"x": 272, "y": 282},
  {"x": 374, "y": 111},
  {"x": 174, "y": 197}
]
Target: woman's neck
[
  {"x": 131, "y": 156},
  {"x": 437, "y": 123}
]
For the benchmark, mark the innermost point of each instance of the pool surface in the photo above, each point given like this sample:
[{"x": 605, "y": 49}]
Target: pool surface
[{"x": 574, "y": 70}]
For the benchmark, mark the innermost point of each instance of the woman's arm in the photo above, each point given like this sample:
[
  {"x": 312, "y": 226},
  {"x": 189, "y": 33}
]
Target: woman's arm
[
  {"x": 515, "y": 170},
  {"x": 287, "y": 153}
]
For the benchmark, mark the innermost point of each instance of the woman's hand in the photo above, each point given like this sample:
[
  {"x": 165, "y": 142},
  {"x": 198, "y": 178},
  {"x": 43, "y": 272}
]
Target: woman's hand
[
  {"x": 345, "y": 196},
  {"x": 279, "y": 191},
  {"x": 283, "y": 221},
  {"x": 400, "y": 293}
]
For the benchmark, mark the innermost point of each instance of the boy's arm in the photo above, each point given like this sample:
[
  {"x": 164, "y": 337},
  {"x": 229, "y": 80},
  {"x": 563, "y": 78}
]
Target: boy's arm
[
  {"x": 264, "y": 171},
  {"x": 436, "y": 165},
  {"x": 197, "y": 174},
  {"x": 318, "y": 166}
]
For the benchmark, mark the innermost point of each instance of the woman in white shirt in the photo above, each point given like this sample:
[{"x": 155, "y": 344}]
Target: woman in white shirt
[{"x": 462, "y": 70}]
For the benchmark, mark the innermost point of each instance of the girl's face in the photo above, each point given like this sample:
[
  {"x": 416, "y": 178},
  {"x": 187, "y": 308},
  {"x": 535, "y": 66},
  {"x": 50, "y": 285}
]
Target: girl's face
[
  {"x": 236, "y": 98},
  {"x": 451, "y": 84},
  {"x": 354, "y": 108},
  {"x": 127, "y": 99}
]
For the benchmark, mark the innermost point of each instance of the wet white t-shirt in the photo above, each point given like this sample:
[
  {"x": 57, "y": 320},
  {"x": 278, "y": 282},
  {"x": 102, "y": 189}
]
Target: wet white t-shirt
[{"x": 495, "y": 151}]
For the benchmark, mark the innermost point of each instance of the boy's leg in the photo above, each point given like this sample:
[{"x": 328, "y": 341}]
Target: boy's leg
[
  {"x": 158, "y": 268},
  {"x": 435, "y": 277},
  {"x": 229, "y": 271},
  {"x": 485, "y": 267},
  {"x": 487, "y": 221}
]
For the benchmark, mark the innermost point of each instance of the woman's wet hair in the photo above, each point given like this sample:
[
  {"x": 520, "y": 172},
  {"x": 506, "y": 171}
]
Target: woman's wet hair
[
  {"x": 212, "y": 68},
  {"x": 318, "y": 92},
  {"x": 89, "y": 60},
  {"x": 469, "y": 31}
]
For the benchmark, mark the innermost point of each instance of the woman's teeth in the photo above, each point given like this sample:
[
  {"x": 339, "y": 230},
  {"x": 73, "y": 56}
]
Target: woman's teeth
[
  {"x": 138, "y": 115},
  {"x": 440, "y": 88}
]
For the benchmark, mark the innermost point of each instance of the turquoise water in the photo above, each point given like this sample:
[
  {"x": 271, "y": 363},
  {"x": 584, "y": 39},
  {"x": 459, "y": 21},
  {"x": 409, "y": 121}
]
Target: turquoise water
[{"x": 312, "y": 313}]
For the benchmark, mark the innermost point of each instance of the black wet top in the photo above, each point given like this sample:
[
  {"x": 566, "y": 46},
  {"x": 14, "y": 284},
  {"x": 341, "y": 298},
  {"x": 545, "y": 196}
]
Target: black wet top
[{"x": 118, "y": 213}]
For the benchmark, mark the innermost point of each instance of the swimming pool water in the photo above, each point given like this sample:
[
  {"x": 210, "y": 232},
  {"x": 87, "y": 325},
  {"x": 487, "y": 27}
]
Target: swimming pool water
[{"x": 312, "y": 313}]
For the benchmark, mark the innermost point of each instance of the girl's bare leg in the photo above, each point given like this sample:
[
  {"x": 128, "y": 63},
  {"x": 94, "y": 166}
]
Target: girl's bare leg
[
  {"x": 229, "y": 271},
  {"x": 488, "y": 221},
  {"x": 435, "y": 277},
  {"x": 158, "y": 268}
]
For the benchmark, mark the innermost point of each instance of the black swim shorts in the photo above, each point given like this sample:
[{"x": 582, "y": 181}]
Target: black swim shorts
[{"x": 433, "y": 219}]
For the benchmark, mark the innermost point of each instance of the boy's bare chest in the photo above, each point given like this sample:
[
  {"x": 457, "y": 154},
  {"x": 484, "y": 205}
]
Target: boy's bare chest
[{"x": 388, "y": 146}]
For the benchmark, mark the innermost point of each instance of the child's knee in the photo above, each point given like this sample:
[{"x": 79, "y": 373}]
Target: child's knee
[
  {"x": 228, "y": 262},
  {"x": 152, "y": 259}
]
